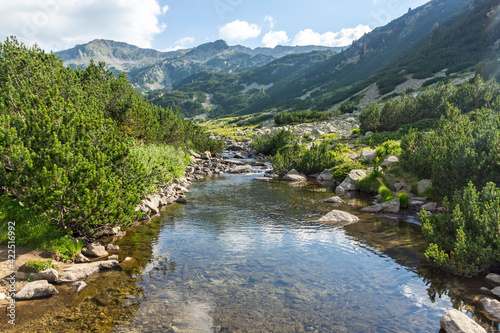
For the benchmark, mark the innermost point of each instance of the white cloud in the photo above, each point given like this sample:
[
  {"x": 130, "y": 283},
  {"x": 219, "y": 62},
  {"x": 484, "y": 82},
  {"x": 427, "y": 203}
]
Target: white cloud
[
  {"x": 273, "y": 38},
  {"x": 164, "y": 9},
  {"x": 183, "y": 43},
  {"x": 60, "y": 24},
  {"x": 238, "y": 31},
  {"x": 342, "y": 38},
  {"x": 270, "y": 20}
]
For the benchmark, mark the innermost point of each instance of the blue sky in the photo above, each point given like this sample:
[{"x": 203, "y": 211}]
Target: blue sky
[{"x": 173, "y": 24}]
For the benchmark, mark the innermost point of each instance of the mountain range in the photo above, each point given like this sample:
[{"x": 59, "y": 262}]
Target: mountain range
[{"x": 440, "y": 40}]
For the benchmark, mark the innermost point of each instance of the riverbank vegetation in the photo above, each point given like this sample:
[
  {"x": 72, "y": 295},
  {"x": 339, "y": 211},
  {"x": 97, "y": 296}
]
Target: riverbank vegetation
[{"x": 80, "y": 148}]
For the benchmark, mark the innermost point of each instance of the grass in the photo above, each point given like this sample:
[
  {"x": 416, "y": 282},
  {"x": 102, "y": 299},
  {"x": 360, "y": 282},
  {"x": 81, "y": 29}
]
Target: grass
[{"x": 39, "y": 265}]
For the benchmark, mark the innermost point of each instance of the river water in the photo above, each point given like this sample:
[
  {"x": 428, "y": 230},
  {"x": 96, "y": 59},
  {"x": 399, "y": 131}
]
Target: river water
[{"x": 247, "y": 256}]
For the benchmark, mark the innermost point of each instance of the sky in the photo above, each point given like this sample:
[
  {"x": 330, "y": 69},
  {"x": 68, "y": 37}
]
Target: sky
[{"x": 172, "y": 24}]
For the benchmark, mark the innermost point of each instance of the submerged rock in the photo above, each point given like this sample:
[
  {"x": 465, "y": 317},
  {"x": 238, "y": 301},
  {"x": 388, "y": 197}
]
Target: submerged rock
[
  {"x": 455, "y": 321},
  {"x": 339, "y": 217},
  {"x": 79, "y": 285},
  {"x": 36, "y": 289},
  {"x": 81, "y": 271}
]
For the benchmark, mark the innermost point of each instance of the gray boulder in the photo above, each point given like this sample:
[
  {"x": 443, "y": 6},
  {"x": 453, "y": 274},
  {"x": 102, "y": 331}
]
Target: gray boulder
[
  {"x": 339, "y": 217},
  {"x": 349, "y": 183},
  {"x": 340, "y": 190},
  {"x": 368, "y": 154},
  {"x": 493, "y": 278},
  {"x": 95, "y": 250},
  {"x": 80, "y": 258},
  {"x": 455, "y": 321},
  {"x": 50, "y": 275},
  {"x": 491, "y": 308},
  {"x": 335, "y": 199},
  {"x": 112, "y": 247},
  {"x": 36, "y": 289},
  {"x": 390, "y": 161},
  {"x": 391, "y": 206},
  {"x": 496, "y": 291},
  {"x": 431, "y": 206},
  {"x": 81, "y": 271},
  {"x": 294, "y": 176},
  {"x": 372, "y": 209},
  {"x": 206, "y": 155},
  {"x": 423, "y": 185},
  {"x": 325, "y": 175},
  {"x": 241, "y": 169}
]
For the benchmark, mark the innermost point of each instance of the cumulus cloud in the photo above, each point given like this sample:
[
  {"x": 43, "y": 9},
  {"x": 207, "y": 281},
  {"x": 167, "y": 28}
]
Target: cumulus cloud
[
  {"x": 238, "y": 31},
  {"x": 342, "y": 38},
  {"x": 273, "y": 38},
  {"x": 60, "y": 24},
  {"x": 183, "y": 43}
]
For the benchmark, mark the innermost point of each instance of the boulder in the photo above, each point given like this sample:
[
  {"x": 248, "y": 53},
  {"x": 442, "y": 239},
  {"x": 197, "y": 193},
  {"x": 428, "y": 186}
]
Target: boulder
[
  {"x": 493, "y": 278},
  {"x": 294, "y": 176},
  {"x": 241, "y": 169},
  {"x": 81, "y": 271},
  {"x": 195, "y": 155},
  {"x": 50, "y": 275},
  {"x": 113, "y": 257},
  {"x": 335, "y": 199},
  {"x": 391, "y": 206},
  {"x": 241, "y": 155},
  {"x": 263, "y": 179},
  {"x": 112, "y": 247},
  {"x": 36, "y": 289},
  {"x": 423, "y": 185},
  {"x": 390, "y": 161},
  {"x": 496, "y": 291},
  {"x": 95, "y": 250},
  {"x": 349, "y": 183},
  {"x": 340, "y": 190},
  {"x": 339, "y": 217},
  {"x": 325, "y": 175},
  {"x": 368, "y": 154},
  {"x": 79, "y": 285},
  {"x": 491, "y": 308},
  {"x": 430, "y": 207},
  {"x": 398, "y": 186},
  {"x": 80, "y": 258},
  {"x": 455, "y": 321},
  {"x": 206, "y": 155}
]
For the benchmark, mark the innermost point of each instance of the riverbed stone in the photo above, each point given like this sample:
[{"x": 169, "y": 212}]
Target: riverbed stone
[
  {"x": 81, "y": 271},
  {"x": 491, "y": 308},
  {"x": 339, "y": 217},
  {"x": 79, "y": 285},
  {"x": 455, "y": 321},
  {"x": 80, "y": 258},
  {"x": 423, "y": 185},
  {"x": 113, "y": 257},
  {"x": 294, "y": 176},
  {"x": 372, "y": 209},
  {"x": 493, "y": 278},
  {"x": 325, "y": 175},
  {"x": 241, "y": 169},
  {"x": 50, "y": 275},
  {"x": 112, "y": 247},
  {"x": 206, "y": 155},
  {"x": 335, "y": 199},
  {"x": 496, "y": 291},
  {"x": 349, "y": 183},
  {"x": 36, "y": 289},
  {"x": 95, "y": 250}
]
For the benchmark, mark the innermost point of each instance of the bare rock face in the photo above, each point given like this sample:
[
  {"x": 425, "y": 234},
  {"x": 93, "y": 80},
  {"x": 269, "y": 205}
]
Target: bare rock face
[
  {"x": 36, "y": 289},
  {"x": 455, "y": 321},
  {"x": 339, "y": 217},
  {"x": 95, "y": 250}
]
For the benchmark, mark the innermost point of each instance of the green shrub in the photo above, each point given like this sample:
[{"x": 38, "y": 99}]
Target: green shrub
[
  {"x": 372, "y": 182},
  {"x": 39, "y": 265},
  {"x": 388, "y": 148},
  {"x": 385, "y": 193},
  {"x": 341, "y": 171},
  {"x": 271, "y": 144},
  {"x": 404, "y": 199},
  {"x": 299, "y": 117},
  {"x": 464, "y": 240}
]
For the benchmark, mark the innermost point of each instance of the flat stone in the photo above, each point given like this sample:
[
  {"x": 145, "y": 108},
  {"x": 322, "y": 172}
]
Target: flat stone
[
  {"x": 81, "y": 271},
  {"x": 264, "y": 179},
  {"x": 113, "y": 257},
  {"x": 496, "y": 291},
  {"x": 455, "y": 321},
  {"x": 493, "y": 278},
  {"x": 339, "y": 217},
  {"x": 491, "y": 308},
  {"x": 372, "y": 209},
  {"x": 50, "y": 275},
  {"x": 95, "y": 250},
  {"x": 390, "y": 161},
  {"x": 36, "y": 289},
  {"x": 241, "y": 169},
  {"x": 335, "y": 199}
]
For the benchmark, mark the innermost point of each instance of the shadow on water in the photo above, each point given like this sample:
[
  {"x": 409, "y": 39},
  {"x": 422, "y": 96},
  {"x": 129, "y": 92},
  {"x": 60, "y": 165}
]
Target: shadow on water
[{"x": 247, "y": 256}]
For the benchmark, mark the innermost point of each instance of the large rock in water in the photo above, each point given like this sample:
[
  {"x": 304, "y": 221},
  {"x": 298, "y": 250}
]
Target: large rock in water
[
  {"x": 241, "y": 169},
  {"x": 81, "y": 271},
  {"x": 325, "y": 175},
  {"x": 391, "y": 206},
  {"x": 335, "y": 199},
  {"x": 493, "y": 278},
  {"x": 95, "y": 250},
  {"x": 36, "y": 289},
  {"x": 294, "y": 176},
  {"x": 455, "y": 321},
  {"x": 491, "y": 308},
  {"x": 349, "y": 183},
  {"x": 339, "y": 217}
]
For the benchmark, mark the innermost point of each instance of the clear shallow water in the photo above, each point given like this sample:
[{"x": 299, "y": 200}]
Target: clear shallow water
[{"x": 245, "y": 256}]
